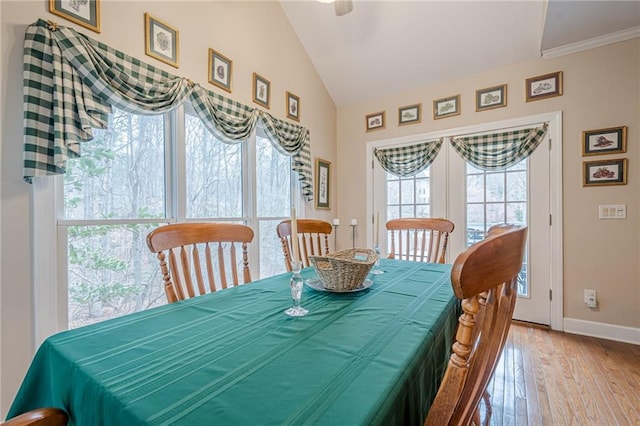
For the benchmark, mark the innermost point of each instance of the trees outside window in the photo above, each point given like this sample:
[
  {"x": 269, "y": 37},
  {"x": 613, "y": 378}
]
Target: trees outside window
[{"x": 147, "y": 171}]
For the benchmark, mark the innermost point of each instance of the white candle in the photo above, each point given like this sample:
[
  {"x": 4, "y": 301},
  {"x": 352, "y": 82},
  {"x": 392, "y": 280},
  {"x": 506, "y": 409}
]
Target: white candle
[
  {"x": 376, "y": 226},
  {"x": 354, "y": 222},
  {"x": 294, "y": 235},
  {"x": 336, "y": 222}
]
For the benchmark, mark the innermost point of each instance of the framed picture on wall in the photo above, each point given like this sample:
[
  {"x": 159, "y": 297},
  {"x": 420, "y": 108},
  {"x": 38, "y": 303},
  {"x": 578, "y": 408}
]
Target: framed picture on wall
[
  {"x": 446, "y": 107},
  {"x": 293, "y": 106},
  {"x": 220, "y": 70},
  {"x": 544, "y": 86},
  {"x": 261, "y": 91},
  {"x": 410, "y": 114},
  {"x": 84, "y": 13},
  {"x": 323, "y": 184},
  {"x": 491, "y": 97},
  {"x": 375, "y": 121},
  {"x": 604, "y": 141},
  {"x": 161, "y": 40},
  {"x": 605, "y": 172}
]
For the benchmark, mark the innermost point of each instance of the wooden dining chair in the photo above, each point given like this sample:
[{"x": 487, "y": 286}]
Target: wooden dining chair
[
  {"x": 184, "y": 249},
  {"x": 39, "y": 417},
  {"x": 420, "y": 239},
  {"x": 485, "y": 278},
  {"x": 313, "y": 238}
]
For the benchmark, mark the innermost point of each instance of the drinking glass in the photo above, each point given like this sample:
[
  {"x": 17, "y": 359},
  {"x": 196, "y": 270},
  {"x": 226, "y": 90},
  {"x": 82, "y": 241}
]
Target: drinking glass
[
  {"x": 296, "y": 291},
  {"x": 376, "y": 267}
]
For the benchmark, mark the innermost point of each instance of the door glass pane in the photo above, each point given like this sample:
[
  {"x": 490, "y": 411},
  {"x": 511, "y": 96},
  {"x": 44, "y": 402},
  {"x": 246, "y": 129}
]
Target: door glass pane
[
  {"x": 213, "y": 173},
  {"x": 494, "y": 198},
  {"x": 495, "y": 187},
  {"x": 121, "y": 172},
  {"x": 111, "y": 272},
  {"x": 408, "y": 196}
]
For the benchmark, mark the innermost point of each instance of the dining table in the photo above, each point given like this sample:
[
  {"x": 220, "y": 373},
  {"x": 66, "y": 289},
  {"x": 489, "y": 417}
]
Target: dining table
[{"x": 232, "y": 357}]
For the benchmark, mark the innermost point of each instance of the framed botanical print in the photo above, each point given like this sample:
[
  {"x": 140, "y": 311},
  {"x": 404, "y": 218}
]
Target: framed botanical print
[
  {"x": 261, "y": 91},
  {"x": 84, "y": 13},
  {"x": 293, "y": 106},
  {"x": 161, "y": 40},
  {"x": 220, "y": 70},
  {"x": 323, "y": 184}
]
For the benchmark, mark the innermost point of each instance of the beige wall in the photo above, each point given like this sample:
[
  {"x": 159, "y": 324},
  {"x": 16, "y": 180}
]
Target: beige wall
[
  {"x": 255, "y": 35},
  {"x": 601, "y": 89}
]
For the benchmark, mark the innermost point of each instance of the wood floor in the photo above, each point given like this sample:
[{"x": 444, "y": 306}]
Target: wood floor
[{"x": 550, "y": 378}]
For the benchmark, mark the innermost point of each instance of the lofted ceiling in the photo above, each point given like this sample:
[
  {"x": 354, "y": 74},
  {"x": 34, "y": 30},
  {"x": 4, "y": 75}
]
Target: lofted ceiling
[{"x": 386, "y": 47}]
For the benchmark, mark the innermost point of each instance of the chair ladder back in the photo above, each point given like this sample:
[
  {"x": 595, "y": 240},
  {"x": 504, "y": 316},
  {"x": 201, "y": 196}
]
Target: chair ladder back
[
  {"x": 427, "y": 236},
  {"x": 191, "y": 246},
  {"x": 313, "y": 239}
]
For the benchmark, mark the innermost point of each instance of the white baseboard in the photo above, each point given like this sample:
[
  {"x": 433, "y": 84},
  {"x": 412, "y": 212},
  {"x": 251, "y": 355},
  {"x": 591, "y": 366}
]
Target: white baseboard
[{"x": 602, "y": 330}]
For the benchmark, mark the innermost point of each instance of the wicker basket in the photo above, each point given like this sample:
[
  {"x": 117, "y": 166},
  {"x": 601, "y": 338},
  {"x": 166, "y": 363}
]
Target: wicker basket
[{"x": 344, "y": 270}]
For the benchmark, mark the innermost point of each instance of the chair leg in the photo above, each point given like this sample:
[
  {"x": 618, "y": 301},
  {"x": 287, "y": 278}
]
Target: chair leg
[{"x": 487, "y": 405}]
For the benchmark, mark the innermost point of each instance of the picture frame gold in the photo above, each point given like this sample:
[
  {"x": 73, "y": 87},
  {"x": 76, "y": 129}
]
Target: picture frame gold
[
  {"x": 161, "y": 40},
  {"x": 375, "y": 121},
  {"x": 605, "y": 172},
  {"x": 86, "y": 14},
  {"x": 261, "y": 91},
  {"x": 491, "y": 98},
  {"x": 323, "y": 184},
  {"x": 220, "y": 70},
  {"x": 292, "y": 106},
  {"x": 410, "y": 114},
  {"x": 446, "y": 107},
  {"x": 543, "y": 86},
  {"x": 612, "y": 140}
]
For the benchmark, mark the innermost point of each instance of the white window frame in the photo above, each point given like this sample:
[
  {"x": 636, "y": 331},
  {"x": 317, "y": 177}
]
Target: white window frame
[{"x": 50, "y": 295}]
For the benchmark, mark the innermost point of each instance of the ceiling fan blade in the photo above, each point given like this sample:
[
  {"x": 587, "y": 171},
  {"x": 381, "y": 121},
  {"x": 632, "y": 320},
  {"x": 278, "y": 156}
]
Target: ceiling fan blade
[{"x": 342, "y": 7}]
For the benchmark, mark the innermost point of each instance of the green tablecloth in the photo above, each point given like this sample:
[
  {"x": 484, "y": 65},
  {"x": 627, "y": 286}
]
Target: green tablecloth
[{"x": 233, "y": 357}]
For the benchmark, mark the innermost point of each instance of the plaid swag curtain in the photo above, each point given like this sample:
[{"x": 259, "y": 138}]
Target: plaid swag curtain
[
  {"x": 408, "y": 160},
  {"x": 71, "y": 83},
  {"x": 499, "y": 151}
]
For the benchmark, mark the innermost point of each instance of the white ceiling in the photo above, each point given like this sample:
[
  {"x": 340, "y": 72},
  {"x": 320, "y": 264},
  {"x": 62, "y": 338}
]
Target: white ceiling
[{"x": 386, "y": 47}]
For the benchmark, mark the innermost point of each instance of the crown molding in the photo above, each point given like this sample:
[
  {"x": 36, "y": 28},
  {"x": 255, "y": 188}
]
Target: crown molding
[{"x": 592, "y": 43}]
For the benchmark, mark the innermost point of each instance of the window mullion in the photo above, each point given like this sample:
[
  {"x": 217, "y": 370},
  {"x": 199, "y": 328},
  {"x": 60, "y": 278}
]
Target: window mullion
[{"x": 175, "y": 180}]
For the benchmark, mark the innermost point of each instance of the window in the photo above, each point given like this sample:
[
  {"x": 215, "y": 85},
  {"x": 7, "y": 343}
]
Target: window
[
  {"x": 408, "y": 196},
  {"x": 146, "y": 171},
  {"x": 497, "y": 197}
]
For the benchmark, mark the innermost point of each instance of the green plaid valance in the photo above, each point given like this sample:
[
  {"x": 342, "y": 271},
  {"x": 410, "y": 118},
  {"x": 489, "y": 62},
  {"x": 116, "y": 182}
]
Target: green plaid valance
[
  {"x": 499, "y": 151},
  {"x": 408, "y": 160},
  {"x": 71, "y": 82}
]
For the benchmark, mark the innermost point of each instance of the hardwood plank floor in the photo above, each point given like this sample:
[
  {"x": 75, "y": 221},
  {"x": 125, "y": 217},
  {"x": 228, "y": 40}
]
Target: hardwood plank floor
[{"x": 549, "y": 378}]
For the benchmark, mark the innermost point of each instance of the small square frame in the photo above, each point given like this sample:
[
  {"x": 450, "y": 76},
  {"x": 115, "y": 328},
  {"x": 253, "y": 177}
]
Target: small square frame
[
  {"x": 612, "y": 140},
  {"x": 293, "y": 106},
  {"x": 220, "y": 70},
  {"x": 544, "y": 86},
  {"x": 375, "y": 121},
  {"x": 86, "y": 15},
  {"x": 491, "y": 98},
  {"x": 410, "y": 114},
  {"x": 261, "y": 91},
  {"x": 604, "y": 172},
  {"x": 446, "y": 107},
  {"x": 323, "y": 184},
  {"x": 161, "y": 40}
]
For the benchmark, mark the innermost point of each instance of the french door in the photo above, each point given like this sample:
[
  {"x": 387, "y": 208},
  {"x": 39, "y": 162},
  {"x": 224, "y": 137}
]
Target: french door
[{"x": 475, "y": 200}]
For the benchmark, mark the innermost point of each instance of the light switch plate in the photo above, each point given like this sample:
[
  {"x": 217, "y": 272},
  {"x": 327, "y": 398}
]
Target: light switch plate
[{"x": 612, "y": 211}]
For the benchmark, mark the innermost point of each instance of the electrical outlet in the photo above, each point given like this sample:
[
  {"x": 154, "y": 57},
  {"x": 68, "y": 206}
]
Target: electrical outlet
[{"x": 590, "y": 298}]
